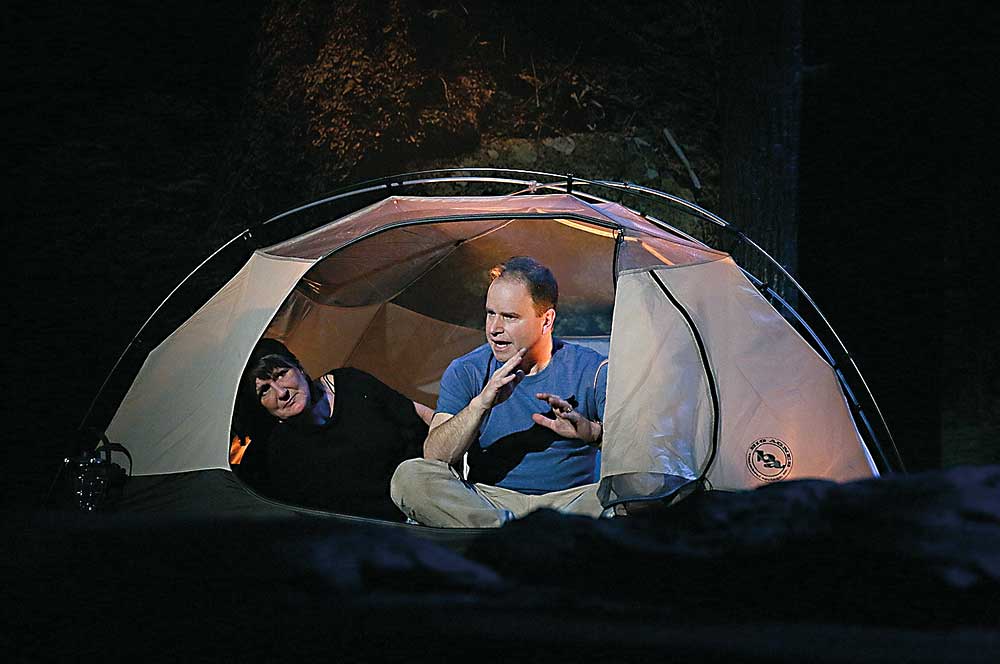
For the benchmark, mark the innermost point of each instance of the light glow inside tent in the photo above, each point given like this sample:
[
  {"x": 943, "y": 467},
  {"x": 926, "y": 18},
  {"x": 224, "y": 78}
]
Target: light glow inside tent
[{"x": 703, "y": 370}]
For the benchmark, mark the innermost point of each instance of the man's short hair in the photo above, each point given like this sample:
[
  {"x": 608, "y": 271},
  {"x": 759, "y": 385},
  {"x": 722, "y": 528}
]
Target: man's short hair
[{"x": 538, "y": 279}]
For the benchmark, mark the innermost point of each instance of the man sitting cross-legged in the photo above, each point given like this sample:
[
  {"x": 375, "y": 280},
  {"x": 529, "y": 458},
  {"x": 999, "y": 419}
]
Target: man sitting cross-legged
[{"x": 525, "y": 406}]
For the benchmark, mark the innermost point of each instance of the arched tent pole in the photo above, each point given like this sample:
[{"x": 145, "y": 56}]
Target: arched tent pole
[
  {"x": 656, "y": 221},
  {"x": 142, "y": 328},
  {"x": 763, "y": 287},
  {"x": 709, "y": 216},
  {"x": 445, "y": 175},
  {"x": 833, "y": 363},
  {"x": 321, "y": 201},
  {"x": 745, "y": 238},
  {"x": 843, "y": 349},
  {"x": 354, "y": 190},
  {"x": 388, "y": 182},
  {"x": 561, "y": 182}
]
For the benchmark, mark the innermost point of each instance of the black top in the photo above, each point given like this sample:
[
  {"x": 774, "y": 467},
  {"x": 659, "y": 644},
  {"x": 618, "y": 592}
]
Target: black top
[{"x": 345, "y": 465}]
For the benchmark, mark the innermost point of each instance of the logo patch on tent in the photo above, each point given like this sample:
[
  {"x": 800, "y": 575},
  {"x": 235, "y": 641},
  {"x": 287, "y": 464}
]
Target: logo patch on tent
[{"x": 769, "y": 459}]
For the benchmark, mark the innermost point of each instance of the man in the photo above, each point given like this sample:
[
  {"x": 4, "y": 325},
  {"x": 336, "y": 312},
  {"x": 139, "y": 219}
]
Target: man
[{"x": 525, "y": 406}]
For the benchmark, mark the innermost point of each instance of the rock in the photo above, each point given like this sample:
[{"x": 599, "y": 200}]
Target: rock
[
  {"x": 563, "y": 144},
  {"x": 522, "y": 152},
  {"x": 918, "y": 550}
]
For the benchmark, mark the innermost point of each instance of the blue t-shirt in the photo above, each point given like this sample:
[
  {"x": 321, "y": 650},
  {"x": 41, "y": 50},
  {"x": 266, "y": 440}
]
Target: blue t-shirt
[{"x": 512, "y": 451}]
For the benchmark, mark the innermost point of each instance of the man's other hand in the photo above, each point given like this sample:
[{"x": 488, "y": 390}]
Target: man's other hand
[{"x": 568, "y": 422}]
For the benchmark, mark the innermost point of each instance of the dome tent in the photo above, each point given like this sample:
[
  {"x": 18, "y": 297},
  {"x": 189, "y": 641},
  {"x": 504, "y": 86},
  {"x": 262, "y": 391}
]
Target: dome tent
[{"x": 714, "y": 380}]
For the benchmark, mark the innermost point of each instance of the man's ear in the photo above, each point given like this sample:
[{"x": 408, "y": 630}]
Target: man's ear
[{"x": 548, "y": 320}]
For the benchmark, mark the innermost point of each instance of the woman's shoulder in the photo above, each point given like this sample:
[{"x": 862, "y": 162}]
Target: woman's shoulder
[
  {"x": 352, "y": 379},
  {"x": 352, "y": 374}
]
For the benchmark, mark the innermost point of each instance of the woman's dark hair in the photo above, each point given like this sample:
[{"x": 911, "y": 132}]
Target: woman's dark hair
[
  {"x": 249, "y": 417},
  {"x": 252, "y": 424},
  {"x": 268, "y": 355}
]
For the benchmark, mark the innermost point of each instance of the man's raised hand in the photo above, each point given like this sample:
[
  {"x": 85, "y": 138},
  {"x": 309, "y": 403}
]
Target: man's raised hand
[
  {"x": 503, "y": 381},
  {"x": 568, "y": 422}
]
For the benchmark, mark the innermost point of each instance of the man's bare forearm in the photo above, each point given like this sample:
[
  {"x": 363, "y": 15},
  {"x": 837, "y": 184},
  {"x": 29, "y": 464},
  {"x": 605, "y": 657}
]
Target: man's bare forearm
[{"x": 450, "y": 439}]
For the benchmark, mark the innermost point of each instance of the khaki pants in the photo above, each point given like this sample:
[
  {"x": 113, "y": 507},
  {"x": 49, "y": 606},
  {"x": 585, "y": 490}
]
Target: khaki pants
[{"x": 432, "y": 493}]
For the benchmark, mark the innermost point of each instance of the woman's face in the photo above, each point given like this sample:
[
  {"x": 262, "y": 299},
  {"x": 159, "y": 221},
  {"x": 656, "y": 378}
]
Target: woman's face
[{"x": 285, "y": 394}]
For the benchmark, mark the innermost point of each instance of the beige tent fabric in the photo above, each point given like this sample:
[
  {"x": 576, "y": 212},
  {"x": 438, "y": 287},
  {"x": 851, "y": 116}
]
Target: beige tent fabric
[
  {"x": 400, "y": 209},
  {"x": 379, "y": 268},
  {"x": 322, "y": 337},
  {"x": 772, "y": 384},
  {"x": 177, "y": 413},
  {"x": 404, "y": 349},
  {"x": 658, "y": 416},
  {"x": 776, "y": 395},
  {"x": 407, "y": 298}
]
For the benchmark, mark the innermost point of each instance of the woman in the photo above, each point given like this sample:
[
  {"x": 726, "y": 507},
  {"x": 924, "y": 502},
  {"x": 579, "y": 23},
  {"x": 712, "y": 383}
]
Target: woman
[{"x": 334, "y": 442}]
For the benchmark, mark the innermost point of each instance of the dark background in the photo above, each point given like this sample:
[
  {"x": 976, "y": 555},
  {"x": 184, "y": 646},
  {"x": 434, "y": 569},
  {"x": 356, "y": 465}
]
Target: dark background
[
  {"x": 895, "y": 174},
  {"x": 138, "y": 138}
]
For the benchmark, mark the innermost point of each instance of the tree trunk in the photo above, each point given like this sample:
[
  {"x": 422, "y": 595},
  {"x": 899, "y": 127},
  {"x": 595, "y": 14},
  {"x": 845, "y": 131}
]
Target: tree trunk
[
  {"x": 760, "y": 104},
  {"x": 868, "y": 239}
]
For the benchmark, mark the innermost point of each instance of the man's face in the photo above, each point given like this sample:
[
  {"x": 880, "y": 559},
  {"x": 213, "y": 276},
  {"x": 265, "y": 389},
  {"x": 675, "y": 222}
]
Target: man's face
[
  {"x": 511, "y": 321},
  {"x": 285, "y": 394}
]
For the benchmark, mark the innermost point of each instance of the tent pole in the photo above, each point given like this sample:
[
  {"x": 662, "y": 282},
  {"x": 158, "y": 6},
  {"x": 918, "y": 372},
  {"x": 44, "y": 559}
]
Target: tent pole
[{"x": 135, "y": 339}]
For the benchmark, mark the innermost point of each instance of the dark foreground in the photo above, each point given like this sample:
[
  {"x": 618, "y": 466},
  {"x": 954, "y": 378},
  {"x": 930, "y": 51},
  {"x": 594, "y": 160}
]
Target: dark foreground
[{"x": 899, "y": 569}]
